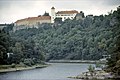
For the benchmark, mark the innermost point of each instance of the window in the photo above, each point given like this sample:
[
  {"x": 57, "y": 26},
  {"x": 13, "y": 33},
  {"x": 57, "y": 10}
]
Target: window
[
  {"x": 65, "y": 15},
  {"x": 68, "y": 14}
]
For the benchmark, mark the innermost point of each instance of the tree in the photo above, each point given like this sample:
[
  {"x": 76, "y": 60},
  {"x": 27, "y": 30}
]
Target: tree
[
  {"x": 91, "y": 70},
  {"x": 114, "y": 61},
  {"x": 46, "y": 14},
  {"x": 4, "y": 46},
  {"x": 58, "y": 20}
]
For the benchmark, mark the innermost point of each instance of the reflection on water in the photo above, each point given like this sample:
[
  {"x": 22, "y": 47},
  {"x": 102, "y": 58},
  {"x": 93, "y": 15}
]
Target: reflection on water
[{"x": 56, "y": 71}]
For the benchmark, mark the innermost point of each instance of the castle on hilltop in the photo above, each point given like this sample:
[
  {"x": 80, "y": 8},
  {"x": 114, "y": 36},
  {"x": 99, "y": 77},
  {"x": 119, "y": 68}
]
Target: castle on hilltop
[
  {"x": 31, "y": 22},
  {"x": 62, "y": 14}
]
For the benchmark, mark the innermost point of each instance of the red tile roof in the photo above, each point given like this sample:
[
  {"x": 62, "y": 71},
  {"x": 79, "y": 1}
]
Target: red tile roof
[
  {"x": 34, "y": 18},
  {"x": 67, "y": 12}
]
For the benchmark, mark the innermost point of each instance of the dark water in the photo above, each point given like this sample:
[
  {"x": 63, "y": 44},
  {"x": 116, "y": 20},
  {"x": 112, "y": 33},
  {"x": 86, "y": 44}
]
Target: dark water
[{"x": 56, "y": 71}]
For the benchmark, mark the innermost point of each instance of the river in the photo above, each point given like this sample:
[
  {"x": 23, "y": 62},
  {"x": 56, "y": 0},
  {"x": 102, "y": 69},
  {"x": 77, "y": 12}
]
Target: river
[{"x": 56, "y": 71}]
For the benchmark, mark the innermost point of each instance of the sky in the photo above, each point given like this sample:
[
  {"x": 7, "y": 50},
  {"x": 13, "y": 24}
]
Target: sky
[{"x": 13, "y": 10}]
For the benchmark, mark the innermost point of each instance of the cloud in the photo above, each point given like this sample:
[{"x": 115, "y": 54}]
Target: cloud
[
  {"x": 112, "y": 2},
  {"x": 95, "y": 7},
  {"x": 12, "y": 10}
]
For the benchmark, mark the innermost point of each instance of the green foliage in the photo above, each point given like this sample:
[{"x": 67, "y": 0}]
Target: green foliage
[
  {"x": 91, "y": 70},
  {"x": 114, "y": 61},
  {"x": 9, "y": 27},
  {"x": 5, "y": 66},
  {"x": 86, "y": 39},
  {"x": 46, "y": 14},
  {"x": 13, "y": 65},
  {"x": 4, "y": 46},
  {"x": 28, "y": 62},
  {"x": 98, "y": 65},
  {"x": 58, "y": 20}
]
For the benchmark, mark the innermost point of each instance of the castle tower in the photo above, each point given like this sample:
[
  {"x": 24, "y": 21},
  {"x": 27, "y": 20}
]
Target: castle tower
[{"x": 52, "y": 14}]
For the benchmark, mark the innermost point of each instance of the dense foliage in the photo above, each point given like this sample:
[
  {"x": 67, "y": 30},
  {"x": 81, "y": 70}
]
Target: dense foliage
[
  {"x": 86, "y": 39},
  {"x": 4, "y": 46},
  {"x": 18, "y": 51},
  {"x": 114, "y": 61}
]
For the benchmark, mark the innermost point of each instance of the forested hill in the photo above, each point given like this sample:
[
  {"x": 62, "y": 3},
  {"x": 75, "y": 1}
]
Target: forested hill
[{"x": 86, "y": 39}]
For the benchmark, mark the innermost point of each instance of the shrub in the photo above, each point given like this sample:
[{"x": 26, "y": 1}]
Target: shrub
[
  {"x": 28, "y": 62},
  {"x": 13, "y": 65}
]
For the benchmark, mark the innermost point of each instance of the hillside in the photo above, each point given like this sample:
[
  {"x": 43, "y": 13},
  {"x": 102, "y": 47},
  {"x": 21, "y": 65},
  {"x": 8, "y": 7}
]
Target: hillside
[{"x": 86, "y": 39}]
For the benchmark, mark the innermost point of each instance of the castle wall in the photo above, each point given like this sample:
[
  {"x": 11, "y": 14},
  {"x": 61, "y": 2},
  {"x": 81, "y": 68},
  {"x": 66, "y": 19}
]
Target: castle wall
[
  {"x": 31, "y": 22},
  {"x": 66, "y": 16}
]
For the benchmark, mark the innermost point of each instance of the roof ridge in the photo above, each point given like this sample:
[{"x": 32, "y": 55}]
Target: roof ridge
[
  {"x": 34, "y": 18},
  {"x": 67, "y": 12}
]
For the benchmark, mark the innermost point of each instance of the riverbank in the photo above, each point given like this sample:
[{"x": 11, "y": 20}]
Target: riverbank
[
  {"x": 97, "y": 75},
  {"x": 77, "y": 61},
  {"x": 20, "y": 68}
]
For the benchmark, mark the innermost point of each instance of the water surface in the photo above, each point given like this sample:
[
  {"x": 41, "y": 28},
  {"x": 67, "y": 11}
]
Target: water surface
[{"x": 56, "y": 71}]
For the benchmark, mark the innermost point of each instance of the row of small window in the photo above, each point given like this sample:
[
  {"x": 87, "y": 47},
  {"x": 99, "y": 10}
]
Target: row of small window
[
  {"x": 64, "y": 14},
  {"x": 66, "y": 18}
]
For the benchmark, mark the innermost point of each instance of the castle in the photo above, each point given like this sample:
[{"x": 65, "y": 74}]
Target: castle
[
  {"x": 31, "y": 22},
  {"x": 62, "y": 14}
]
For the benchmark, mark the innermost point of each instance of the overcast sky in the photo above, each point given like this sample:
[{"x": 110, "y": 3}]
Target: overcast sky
[{"x": 12, "y": 10}]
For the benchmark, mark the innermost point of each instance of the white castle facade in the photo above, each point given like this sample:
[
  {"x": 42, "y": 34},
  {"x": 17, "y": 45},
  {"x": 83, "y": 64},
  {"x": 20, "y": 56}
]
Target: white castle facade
[{"x": 62, "y": 14}]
